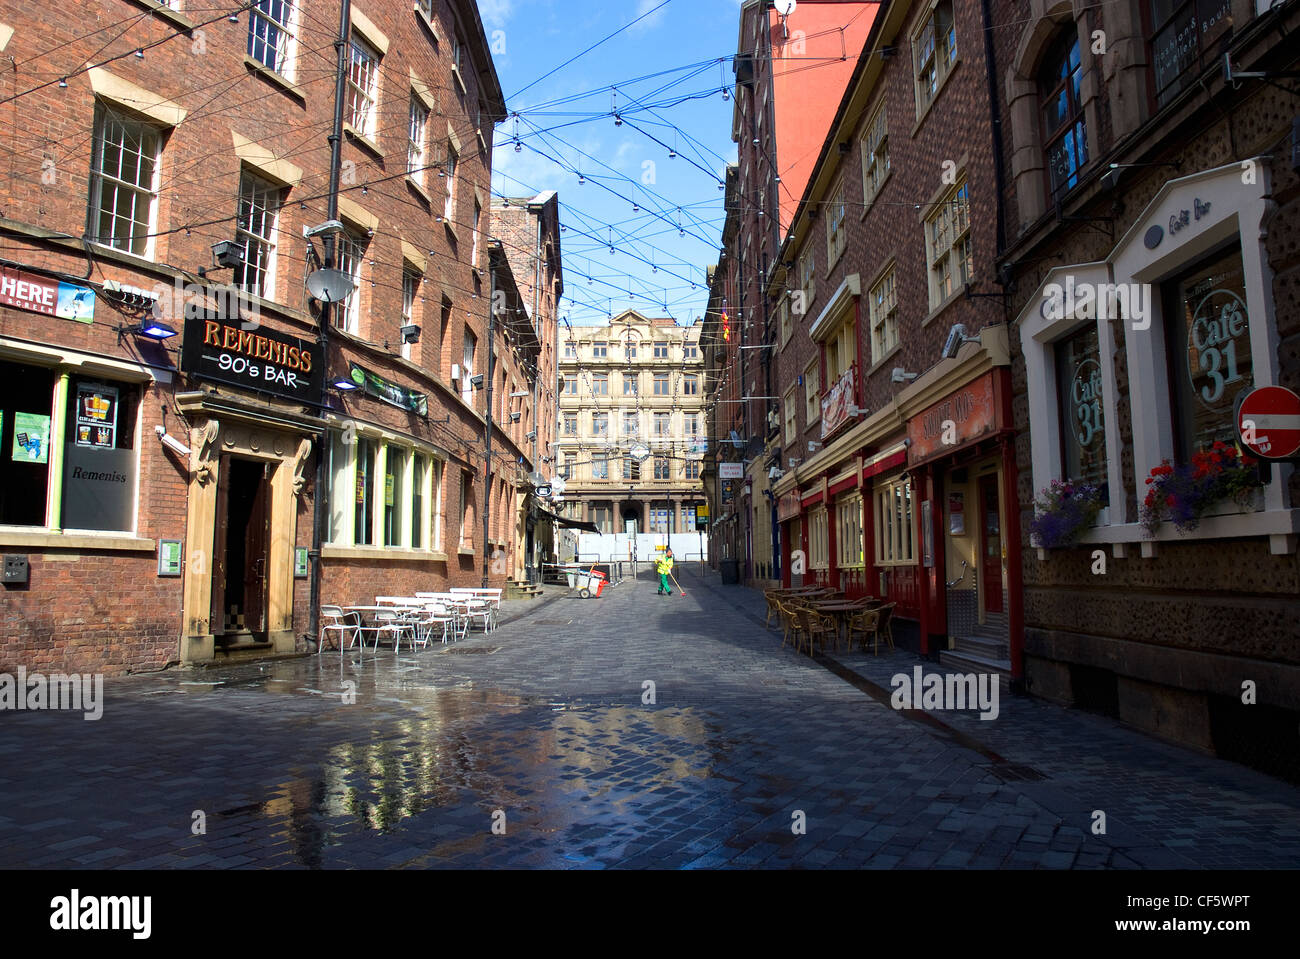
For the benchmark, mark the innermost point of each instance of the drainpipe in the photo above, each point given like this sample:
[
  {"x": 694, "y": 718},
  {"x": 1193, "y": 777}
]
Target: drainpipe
[
  {"x": 995, "y": 116},
  {"x": 321, "y": 498},
  {"x": 487, "y": 428}
]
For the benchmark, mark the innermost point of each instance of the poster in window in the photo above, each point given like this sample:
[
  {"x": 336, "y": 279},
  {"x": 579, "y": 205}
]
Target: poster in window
[
  {"x": 957, "y": 514},
  {"x": 96, "y": 423},
  {"x": 31, "y": 438}
]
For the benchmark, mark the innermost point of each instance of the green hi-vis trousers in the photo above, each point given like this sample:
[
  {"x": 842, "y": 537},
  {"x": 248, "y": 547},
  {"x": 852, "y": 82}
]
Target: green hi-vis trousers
[{"x": 664, "y": 587}]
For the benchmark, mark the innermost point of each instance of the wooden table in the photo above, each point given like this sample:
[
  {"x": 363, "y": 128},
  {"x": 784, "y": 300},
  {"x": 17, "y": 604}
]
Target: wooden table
[{"x": 842, "y": 611}]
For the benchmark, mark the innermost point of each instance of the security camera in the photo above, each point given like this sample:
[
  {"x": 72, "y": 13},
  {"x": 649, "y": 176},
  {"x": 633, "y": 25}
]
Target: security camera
[
  {"x": 775, "y": 473},
  {"x": 956, "y": 337},
  {"x": 329, "y": 226},
  {"x": 532, "y": 435},
  {"x": 171, "y": 442},
  {"x": 477, "y": 381},
  {"x": 228, "y": 253},
  {"x": 900, "y": 375},
  {"x": 410, "y": 333}
]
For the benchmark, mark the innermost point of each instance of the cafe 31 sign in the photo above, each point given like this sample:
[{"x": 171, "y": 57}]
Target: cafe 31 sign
[
  {"x": 257, "y": 359},
  {"x": 1218, "y": 346}
]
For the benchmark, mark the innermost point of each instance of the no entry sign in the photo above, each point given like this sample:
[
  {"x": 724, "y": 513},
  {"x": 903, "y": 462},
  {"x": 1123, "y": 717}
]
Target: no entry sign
[{"x": 1268, "y": 422}]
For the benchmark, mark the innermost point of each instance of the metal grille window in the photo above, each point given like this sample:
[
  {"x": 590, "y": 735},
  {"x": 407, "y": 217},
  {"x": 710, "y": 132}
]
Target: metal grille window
[
  {"x": 882, "y": 305},
  {"x": 818, "y": 548},
  {"x": 661, "y": 385},
  {"x": 875, "y": 155},
  {"x": 848, "y": 532},
  {"x": 125, "y": 191},
  {"x": 415, "y": 153},
  {"x": 948, "y": 244},
  {"x": 894, "y": 524},
  {"x": 259, "y": 203},
  {"x": 270, "y": 34},
  {"x": 362, "y": 89},
  {"x": 1064, "y": 128},
  {"x": 663, "y": 469}
]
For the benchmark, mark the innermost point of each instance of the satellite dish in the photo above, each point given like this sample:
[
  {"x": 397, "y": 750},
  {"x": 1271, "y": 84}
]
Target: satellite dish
[
  {"x": 557, "y": 485},
  {"x": 785, "y": 7},
  {"x": 330, "y": 286}
]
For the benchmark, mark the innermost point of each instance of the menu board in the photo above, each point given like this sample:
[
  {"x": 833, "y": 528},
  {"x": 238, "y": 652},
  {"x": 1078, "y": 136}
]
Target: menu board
[{"x": 96, "y": 416}]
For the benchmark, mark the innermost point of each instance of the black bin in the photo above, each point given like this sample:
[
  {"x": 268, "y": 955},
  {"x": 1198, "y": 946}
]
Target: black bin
[{"x": 730, "y": 569}]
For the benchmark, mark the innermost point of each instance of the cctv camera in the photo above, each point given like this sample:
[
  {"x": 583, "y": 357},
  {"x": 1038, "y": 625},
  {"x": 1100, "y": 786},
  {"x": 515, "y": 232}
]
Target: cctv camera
[
  {"x": 956, "y": 337},
  {"x": 477, "y": 380},
  {"x": 900, "y": 375},
  {"x": 531, "y": 435}
]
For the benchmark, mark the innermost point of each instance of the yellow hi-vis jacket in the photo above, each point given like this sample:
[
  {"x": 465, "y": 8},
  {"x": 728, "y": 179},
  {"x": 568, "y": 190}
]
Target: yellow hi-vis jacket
[{"x": 664, "y": 565}]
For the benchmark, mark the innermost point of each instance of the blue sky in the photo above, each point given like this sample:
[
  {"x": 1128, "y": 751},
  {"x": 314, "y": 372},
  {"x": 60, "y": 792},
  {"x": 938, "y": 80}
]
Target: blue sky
[{"x": 664, "y": 77}]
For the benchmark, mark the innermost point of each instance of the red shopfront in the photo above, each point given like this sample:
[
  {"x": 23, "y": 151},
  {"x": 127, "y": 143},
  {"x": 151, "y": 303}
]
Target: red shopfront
[{"x": 961, "y": 461}]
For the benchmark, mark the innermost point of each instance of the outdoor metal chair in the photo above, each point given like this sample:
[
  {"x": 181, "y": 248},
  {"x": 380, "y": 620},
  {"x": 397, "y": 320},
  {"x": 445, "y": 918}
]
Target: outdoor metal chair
[{"x": 338, "y": 622}]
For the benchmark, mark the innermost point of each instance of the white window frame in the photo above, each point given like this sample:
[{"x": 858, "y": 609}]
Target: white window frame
[
  {"x": 836, "y": 226},
  {"x": 848, "y": 532},
  {"x": 417, "y": 135},
  {"x": 363, "y": 85},
  {"x": 286, "y": 52},
  {"x": 812, "y": 392},
  {"x": 949, "y": 245},
  {"x": 349, "y": 256},
  {"x": 818, "y": 542},
  {"x": 791, "y": 417},
  {"x": 895, "y": 521},
  {"x": 882, "y": 310},
  {"x": 144, "y": 135},
  {"x": 256, "y": 227},
  {"x": 410, "y": 292},
  {"x": 931, "y": 69},
  {"x": 875, "y": 156}
]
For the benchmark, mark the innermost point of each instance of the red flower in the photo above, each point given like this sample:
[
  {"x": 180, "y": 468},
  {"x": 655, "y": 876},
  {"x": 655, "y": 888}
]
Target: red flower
[{"x": 1170, "y": 501}]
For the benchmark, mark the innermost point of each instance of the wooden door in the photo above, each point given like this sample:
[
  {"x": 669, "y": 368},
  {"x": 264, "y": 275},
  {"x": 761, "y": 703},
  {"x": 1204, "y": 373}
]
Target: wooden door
[
  {"x": 219, "y": 559},
  {"x": 257, "y": 542},
  {"x": 991, "y": 544}
]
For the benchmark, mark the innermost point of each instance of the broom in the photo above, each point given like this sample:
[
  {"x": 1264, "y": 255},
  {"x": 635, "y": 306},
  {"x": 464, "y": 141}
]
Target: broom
[{"x": 675, "y": 583}]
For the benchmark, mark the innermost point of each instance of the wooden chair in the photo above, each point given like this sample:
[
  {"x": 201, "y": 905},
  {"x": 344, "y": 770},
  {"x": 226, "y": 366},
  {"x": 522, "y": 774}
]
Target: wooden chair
[
  {"x": 867, "y": 622},
  {"x": 789, "y": 622},
  {"x": 885, "y": 628},
  {"x": 815, "y": 626}
]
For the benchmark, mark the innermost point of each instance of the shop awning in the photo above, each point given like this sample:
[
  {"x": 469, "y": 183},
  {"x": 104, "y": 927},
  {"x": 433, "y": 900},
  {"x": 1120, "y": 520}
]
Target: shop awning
[{"x": 564, "y": 521}]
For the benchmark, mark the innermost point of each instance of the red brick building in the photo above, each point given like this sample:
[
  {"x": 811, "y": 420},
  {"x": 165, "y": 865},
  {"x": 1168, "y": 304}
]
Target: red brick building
[
  {"x": 162, "y": 490},
  {"x": 896, "y": 476},
  {"x": 790, "y": 73}
]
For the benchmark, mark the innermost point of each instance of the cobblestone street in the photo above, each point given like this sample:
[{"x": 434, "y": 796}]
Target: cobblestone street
[{"x": 541, "y": 727}]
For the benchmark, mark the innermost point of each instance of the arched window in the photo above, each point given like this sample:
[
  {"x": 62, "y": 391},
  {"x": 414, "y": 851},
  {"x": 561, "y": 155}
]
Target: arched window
[{"x": 1065, "y": 132}]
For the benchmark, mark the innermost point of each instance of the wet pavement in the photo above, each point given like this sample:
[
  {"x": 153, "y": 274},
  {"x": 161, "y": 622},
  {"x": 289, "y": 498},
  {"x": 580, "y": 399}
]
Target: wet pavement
[{"x": 541, "y": 745}]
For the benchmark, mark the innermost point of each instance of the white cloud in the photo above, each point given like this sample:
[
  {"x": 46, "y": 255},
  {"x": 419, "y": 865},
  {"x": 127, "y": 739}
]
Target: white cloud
[
  {"x": 645, "y": 6},
  {"x": 495, "y": 13}
]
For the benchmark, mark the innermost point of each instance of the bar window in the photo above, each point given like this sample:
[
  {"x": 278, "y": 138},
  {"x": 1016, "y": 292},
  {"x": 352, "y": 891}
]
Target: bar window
[
  {"x": 419, "y": 472},
  {"x": 394, "y": 468},
  {"x": 364, "y": 514},
  {"x": 1209, "y": 351},
  {"x": 1082, "y": 408}
]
